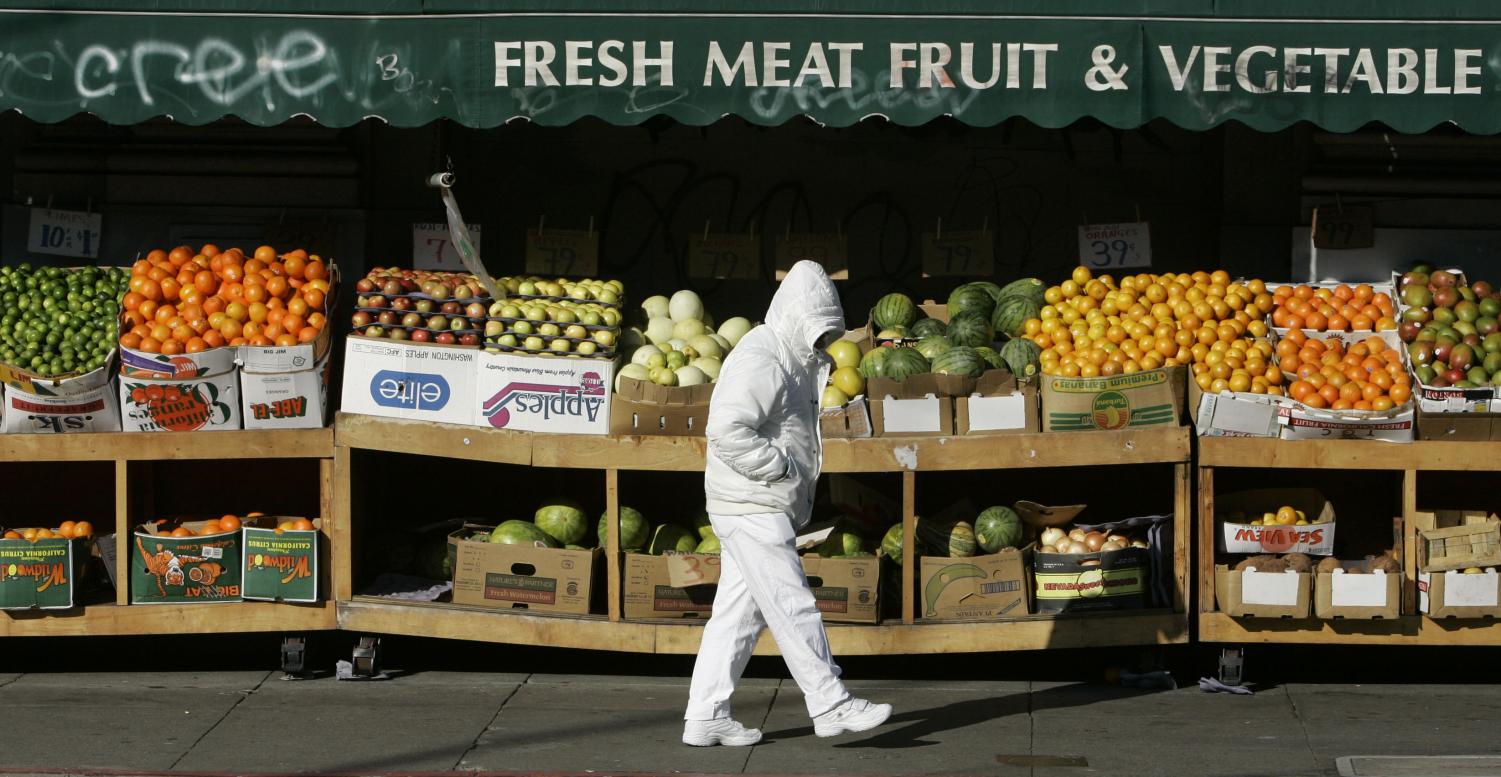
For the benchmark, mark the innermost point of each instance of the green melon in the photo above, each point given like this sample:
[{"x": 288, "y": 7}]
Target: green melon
[
  {"x": 634, "y": 529},
  {"x": 840, "y": 544},
  {"x": 670, "y": 538},
  {"x": 710, "y": 545},
  {"x": 891, "y": 543},
  {"x": 873, "y": 363},
  {"x": 986, "y": 286},
  {"x": 955, "y": 539},
  {"x": 893, "y": 310},
  {"x": 563, "y": 520},
  {"x": 903, "y": 363},
  {"x": 522, "y": 533},
  {"x": 927, "y": 327},
  {"x": 959, "y": 360},
  {"x": 1011, "y": 314},
  {"x": 970, "y": 299},
  {"x": 933, "y": 347},
  {"x": 1031, "y": 288},
  {"x": 998, "y": 527},
  {"x": 992, "y": 359},
  {"x": 971, "y": 329},
  {"x": 1022, "y": 357}
]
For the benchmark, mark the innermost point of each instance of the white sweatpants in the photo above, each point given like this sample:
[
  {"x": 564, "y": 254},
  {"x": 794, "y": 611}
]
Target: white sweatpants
[{"x": 761, "y": 584}]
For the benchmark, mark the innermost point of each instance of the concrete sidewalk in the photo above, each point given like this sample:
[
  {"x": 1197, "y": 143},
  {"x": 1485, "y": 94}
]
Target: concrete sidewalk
[{"x": 249, "y": 722}]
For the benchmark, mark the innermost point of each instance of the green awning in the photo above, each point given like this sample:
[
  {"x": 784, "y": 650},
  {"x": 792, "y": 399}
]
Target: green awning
[{"x": 1196, "y": 63}]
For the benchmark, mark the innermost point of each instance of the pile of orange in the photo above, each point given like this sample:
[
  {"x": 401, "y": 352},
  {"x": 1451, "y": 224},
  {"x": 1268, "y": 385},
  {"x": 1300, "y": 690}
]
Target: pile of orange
[
  {"x": 229, "y": 523},
  {"x": 1367, "y": 376},
  {"x": 186, "y": 301},
  {"x": 1242, "y": 364},
  {"x": 67, "y": 530},
  {"x": 1340, "y": 309}
]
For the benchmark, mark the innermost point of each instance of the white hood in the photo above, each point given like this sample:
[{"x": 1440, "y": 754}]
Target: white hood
[{"x": 805, "y": 308}]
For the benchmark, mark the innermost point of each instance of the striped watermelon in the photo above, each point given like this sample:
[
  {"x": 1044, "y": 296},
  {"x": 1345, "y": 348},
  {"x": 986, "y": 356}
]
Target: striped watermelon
[
  {"x": 1012, "y": 313},
  {"x": 873, "y": 363},
  {"x": 933, "y": 347},
  {"x": 927, "y": 327},
  {"x": 1022, "y": 357},
  {"x": 1031, "y": 288},
  {"x": 986, "y": 286},
  {"x": 891, "y": 544},
  {"x": 904, "y": 363},
  {"x": 998, "y": 527},
  {"x": 970, "y": 299},
  {"x": 955, "y": 540},
  {"x": 992, "y": 359},
  {"x": 971, "y": 329},
  {"x": 959, "y": 360},
  {"x": 894, "y": 310}
]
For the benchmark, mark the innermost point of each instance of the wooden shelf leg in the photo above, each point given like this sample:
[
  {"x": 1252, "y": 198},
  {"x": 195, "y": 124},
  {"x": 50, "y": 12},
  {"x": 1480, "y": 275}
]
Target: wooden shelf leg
[
  {"x": 1410, "y": 542},
  {"x": 1206, "y": 539},
  {"x": 1183, "y": 510},
  {"x": 614, "y": 587},
  {"x": 909, "y": 545},
  {"x": 122, "y": 531},
  {"x": 338, "y": 482}
]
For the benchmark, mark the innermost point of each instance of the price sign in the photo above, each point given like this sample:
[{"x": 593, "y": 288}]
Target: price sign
[
  {"x": 724, "y": 256},
  {"x": 570, "y": 253},
  {"x": 958, "y": 253},
  {"x": 829, "y": 250},
  {"x": 64, "y": 233},
  {"x": 433, "y": 248},
  {"x": 1338, "y": 229},
  {"x": 1108, "y": 246},
  {"x": 686, "y": 571}
]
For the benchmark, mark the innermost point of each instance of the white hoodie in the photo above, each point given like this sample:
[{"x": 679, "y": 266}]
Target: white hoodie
[{"x": 764, "y": 448}]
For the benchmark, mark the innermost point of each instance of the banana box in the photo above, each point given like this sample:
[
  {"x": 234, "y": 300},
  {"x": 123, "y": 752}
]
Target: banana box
[
  {"x": 987, "y": 587},
  {"x": 1147, "y": 398}
]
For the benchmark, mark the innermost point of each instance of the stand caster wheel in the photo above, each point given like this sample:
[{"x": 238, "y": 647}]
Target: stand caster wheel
[
  {"x": 1232, "y": 666},
  {"x": 294, "y": 655},
  {"x": 367, "y": 657}
]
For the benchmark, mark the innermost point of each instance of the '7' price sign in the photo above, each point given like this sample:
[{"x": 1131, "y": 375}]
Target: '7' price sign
[
  {"x": 1108, "y": 246},
  {"x": 433, "y": 248},
  {"x": 829, "y": 250},
  {"x": 570, "y": 253},
  {"x": 958, "y": 253},
  {"x": 724, "y": 256},
  {"x": 64, "y": 233}
]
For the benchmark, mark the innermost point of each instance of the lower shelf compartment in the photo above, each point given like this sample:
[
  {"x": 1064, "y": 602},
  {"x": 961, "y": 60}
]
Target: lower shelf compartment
[
  {"x": 1405, "y": 630},
  {"x": 1033, "y": 632},
  {"x": 167, "y": 619}
]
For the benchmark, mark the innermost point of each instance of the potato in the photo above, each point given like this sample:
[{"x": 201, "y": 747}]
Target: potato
[
  {"x": 1259, "y": 562},
  {"x": 1298, "y": 562},
  {"x": 1328, "y": 565},
  {"x": 1385, "y": 564}
]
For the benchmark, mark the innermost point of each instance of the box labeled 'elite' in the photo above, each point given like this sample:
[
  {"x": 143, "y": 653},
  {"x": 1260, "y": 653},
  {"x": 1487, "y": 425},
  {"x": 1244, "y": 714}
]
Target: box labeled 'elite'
[{"x": 418, "y": 381}]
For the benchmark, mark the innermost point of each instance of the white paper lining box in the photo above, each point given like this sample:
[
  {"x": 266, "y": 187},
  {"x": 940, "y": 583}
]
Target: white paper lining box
[
  {"x": 286, "y": 387},
  {"x": 1390, "y": 336},
  {"x": 1241, "y": 536},
  {"x": 181, "y": 393},
  {"x": 1343, "y": 594},
  {"x": 555, "y": 394},
  {"x": 1458, "y": 595},
  {"x": 418, "y": 381},
  {"x": 84, "y": 403},
  {"x": 1233, "y": 414},
  {"x": 1301, "y": 422}
]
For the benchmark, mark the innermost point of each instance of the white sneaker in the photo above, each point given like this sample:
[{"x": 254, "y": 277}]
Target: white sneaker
[
  {"x": 853, "y": 715},
  {"x": 721, "y": 731}
]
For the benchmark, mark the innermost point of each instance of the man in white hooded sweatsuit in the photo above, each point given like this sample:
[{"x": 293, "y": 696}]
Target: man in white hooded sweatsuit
[{"x": 764, "y": 459}]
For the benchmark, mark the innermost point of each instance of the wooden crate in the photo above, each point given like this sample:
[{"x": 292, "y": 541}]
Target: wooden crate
[{"x": 1461, "y": 547}]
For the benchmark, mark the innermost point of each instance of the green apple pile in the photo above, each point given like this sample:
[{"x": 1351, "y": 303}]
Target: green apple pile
[
  {"x": 677, "y": 344},
  {"x": 561, "y": 326},
  {"x": 585, "y": 290}
]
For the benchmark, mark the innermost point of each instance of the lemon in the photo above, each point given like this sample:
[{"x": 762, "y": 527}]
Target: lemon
[
  {"x": 845, "y": 353},
  {"x": 848, "y": 380}
]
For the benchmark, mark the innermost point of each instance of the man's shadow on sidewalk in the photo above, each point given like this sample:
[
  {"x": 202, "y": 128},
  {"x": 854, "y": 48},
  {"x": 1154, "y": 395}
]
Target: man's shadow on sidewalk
[{"x": 922, "y": 724}]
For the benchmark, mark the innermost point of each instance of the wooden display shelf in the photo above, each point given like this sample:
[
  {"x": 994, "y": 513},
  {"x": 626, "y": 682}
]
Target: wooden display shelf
[
  {"x": 163, "y": 446},
  {"x": 1150, "y": 445},
  {"x": 163, "y": 619},
  {"x": 1273, "y": 453},
  {"x": 1035, "y": 632},
  {"x": 1406, "y": 630}
]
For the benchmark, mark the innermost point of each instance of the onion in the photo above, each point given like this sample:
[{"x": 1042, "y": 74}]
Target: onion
[
  {"x": 1062, "y": 546},
  {"x": 1077, "y": 535},
  {"x": 1052, "y": 535},
  {"x": 1089, "y": 562},
  {"x": 1112, "y": 546},
  {"x": 1138, "y": 544},
  {"x": 1094, "y": 540},
  {"x": 1119, "y": 539},
  {"x": 1077, "y": 548}
]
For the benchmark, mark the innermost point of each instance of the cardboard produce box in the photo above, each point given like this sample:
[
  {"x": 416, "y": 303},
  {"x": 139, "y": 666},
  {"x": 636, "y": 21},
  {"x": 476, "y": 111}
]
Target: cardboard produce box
[
  {"x": 1252, "y": 594},
  {"x": 177, "y": 570},
  {"x": 279, "y": 389},
  {"x": 920, "y": 405},
  {"x": 1459, "y": 427},
  {"x": 849, "y": 422},
  {"x": 1474, "y": 542},
  {"x": 677, "y": 586},
  {"x": 1354, "y": 596},
  {"x": 554, "y": 394},
  {"x": 1458, "y": 595},
  {"x": 83, "y": 403},
  {"x": 975, "y": 588},
  {"x": 643, "y": 407},
  {"x": 183, "y": 393},
  {"x": 998, "y": 404},
  {"x": 1148, "y": 398},
  {"x": 43, "y": 575},
  {"x": 419, "y": 381},
  {"x": 280, "y": 566},
  {"x": 1391, "y": 337},
  {"x": 1233, "y": 413},
  {"x": 1104, "y": 580},
  {"x": 1315, "y": 539},
  {"x": 521, "y": 577},
  {"x": 847, "y": 590}
]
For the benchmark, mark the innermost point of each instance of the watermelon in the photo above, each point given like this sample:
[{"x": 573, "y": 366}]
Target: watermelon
[
  {"x": 873, "y": 363},
  {"x": 904, "y": 363},
  {"x": 893, "y": 310},
  {"x": 1012, "y": 313},
  {"x": 927, "y": 327},
  {"x": 891, "y": 543},
  {"x": 564, "y": 521},
  {"x": 702, "y": 526},
  {"x": 998, "y": 527},
  {"x": 959, "y": 360},
  {"x": 522, "y": 533},
  {"x": 955, "y": 539},
  {"x": 840, "y": 544},
  {"x": 671, "y": 538},
  {"x": 1022, "y": 357},
  {"x": 710, "y": 546},
  {"x": 635, "y": 531},
  {"x": 992, "y": 359},
  {"x": 986, "y": 286},
  {"x": 970, "y": 299},
  {"x": 971, "y": 329},
  {"x": 1030, "y": 288},
  {"x": 932, "y": 347}
]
